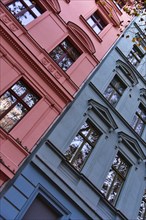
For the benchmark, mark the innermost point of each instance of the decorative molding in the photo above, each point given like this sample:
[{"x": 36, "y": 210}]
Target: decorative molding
[
  {"x": 104, "y": 114},
  {"x": 127, "y": 71},
  {"x": 54, "y": 4},
  {"x": 82, "y": 37},
  {"x": 132, "y": 144}
]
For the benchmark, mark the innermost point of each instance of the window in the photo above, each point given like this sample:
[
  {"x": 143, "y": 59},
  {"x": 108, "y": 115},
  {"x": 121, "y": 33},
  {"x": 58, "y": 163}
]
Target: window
[
  {"x": 142, "y": 210},
  {"x": 65, "y": 54},
  {"x": 25, "y": 10},
  {"x": 135, "y": 56},
  {"x": 139, "y": 120},
  {"x": 140, "y": 42},
  {"x": 115, "y": 90},
  {"x": 15, "y": 103},
  {"x": 115, "y": 179},
  {"x": 96, "y": 22},
  {"x": 82, "y": 145}
]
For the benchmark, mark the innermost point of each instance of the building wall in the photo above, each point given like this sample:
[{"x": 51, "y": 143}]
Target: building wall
[
  {"x": 49, "y": 169},
  {"x": 25, "y": 55}
]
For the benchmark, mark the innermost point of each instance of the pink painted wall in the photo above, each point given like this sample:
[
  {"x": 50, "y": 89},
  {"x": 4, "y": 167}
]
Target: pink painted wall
[{"x": 25, "y": 54}]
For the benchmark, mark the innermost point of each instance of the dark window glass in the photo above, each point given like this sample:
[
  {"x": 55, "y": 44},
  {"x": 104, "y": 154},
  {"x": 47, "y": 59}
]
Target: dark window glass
[
  {"x": 142, "y": 210},
  {"x": 15, "y": 103},
  {"x": 139, "y": 120},
  {"x": 65, "y": 54},
  {"x": 96, "y": 22},
  {"x": 40, "y": 209},
  {"x": 25, "y": 10},
  {"x": 82, "y": 145},
  {"x": 114, "y": 91},
  {"x": 115, "y": 179}
]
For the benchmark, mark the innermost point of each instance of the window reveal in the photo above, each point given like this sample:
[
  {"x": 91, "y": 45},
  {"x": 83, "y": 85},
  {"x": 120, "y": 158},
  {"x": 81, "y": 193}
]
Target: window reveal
[
  {"x": 115, "y": 90},
  {"x": 65, "y": 54},
  {"x": 82, "y": 145},
  {"x": 115, "y": 179},
  {"x": 15, "y": 103},
  {"x": 25, "y": 10}
]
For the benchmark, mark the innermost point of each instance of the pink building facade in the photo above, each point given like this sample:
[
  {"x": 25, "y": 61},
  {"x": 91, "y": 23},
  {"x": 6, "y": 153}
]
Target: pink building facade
[{"x": 48, "y": 50}]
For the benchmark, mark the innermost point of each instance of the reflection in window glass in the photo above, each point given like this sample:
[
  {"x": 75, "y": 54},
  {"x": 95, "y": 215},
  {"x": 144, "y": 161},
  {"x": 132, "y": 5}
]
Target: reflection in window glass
[
  {"x": 15, "y": 103},
  {"x": 65, "y": 54},
  {"x": 25, "y": 10},
  {"x": 82, "y": 145},
  {"x": 115, "y": 179},
  {"x": 139, "y": 120},
  {"x": 142, "y": 210},
  {"x": 114, "y": 91}
]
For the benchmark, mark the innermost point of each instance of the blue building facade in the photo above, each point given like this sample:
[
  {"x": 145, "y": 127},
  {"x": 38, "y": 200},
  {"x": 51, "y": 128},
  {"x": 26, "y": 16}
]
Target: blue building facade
[{"x": 91, "y": 163}]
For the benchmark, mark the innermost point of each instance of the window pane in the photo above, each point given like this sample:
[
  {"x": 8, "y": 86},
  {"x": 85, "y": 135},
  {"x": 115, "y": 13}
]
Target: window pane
[
  {"x": 26, "y": 18},
  {"x": 108, "y": 182},
  {"x": 57, "y": 53},
  {"x": 140, "y": 126},
  {"x": 142, "y": 113},
  {"x": 16, "y": 7},
  {"x": 36, "y": 11},
  {"x": 13, "y": 117},
  {"x": 66, "y": 44},
  {"x": 123, "y": 169},
  {"x": 65, "y": 63},
  {"x": 19, "y": 88},
  {"x": 108, "y": 92},
  {"x": 75, "y": 144},
  {"x": 28, "y": 2},
  {"x": 114, "y": 190},
  {"x": 93, "y": 137},
  {"x": 81, "y": 157},
  {"x": 115, "y": 98},
  {"x": 30, "y": 99},
  {"x": 142, "y": 210},
  {"x": 6, "y": 101},
  {"x": 96, "y": 29},
  {"x": 85, "y": 129},
  {"x": 90, "y": 22}
]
